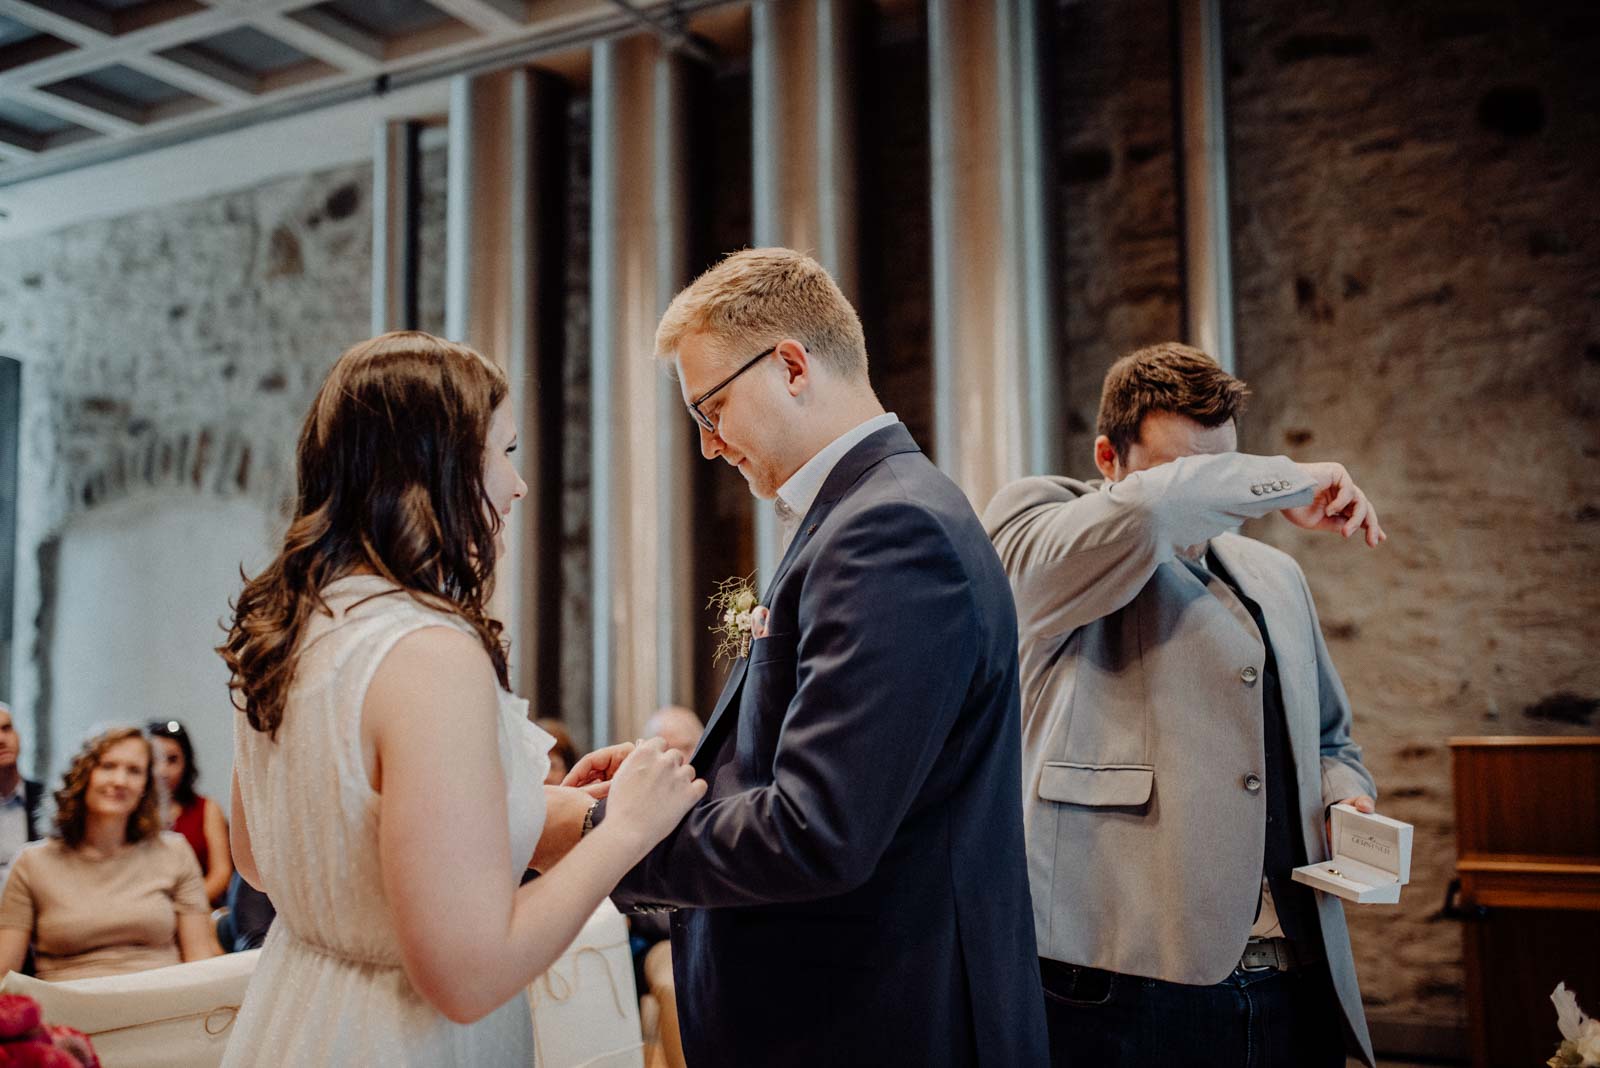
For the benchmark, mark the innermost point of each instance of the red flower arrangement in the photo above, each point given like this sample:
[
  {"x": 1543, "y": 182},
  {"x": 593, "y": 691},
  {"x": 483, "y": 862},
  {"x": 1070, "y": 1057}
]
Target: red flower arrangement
[{"x": 27, "y": 1042}]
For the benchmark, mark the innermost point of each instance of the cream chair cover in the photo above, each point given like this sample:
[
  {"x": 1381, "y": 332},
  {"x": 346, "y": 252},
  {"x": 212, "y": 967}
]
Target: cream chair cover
[
  {"x": 176, "y": 1017},
  {"x": 585, "y": 1010}
]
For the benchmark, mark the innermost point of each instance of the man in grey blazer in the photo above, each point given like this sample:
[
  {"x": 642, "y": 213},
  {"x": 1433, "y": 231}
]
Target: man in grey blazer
[{"x": 1184, "y": 733}]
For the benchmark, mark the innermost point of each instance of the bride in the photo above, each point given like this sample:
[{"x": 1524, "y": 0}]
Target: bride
[{"x": 387, "y": 787}]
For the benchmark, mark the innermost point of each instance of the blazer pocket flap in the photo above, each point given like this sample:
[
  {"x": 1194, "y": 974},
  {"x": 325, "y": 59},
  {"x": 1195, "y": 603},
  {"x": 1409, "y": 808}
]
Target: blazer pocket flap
[
  {"x": 774, "y": 647},
  {"x": 1097, "y": 784}
]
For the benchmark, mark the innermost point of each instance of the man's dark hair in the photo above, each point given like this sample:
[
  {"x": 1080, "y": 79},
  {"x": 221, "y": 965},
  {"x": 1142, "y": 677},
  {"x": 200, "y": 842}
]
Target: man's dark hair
[{"x": 1166, "y": 378}]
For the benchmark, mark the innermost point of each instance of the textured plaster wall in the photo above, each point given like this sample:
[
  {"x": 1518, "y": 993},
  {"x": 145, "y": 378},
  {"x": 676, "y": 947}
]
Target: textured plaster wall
[
  {"x": 1417, "y": 259},
  {"x": 170, "y": 351}
]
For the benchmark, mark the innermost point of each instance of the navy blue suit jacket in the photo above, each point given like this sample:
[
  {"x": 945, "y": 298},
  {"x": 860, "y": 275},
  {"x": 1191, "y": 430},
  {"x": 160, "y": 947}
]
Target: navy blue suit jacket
[{"x": 853, "y": 888}]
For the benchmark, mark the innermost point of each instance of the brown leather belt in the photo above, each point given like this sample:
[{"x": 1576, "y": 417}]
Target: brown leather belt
[{"x": 1274, "y": 954}]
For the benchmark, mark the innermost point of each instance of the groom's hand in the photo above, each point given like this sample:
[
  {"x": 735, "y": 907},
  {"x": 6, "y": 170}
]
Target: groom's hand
[
  {"x": 564, "y": 809},
  {"x": 593, "y": 773}
]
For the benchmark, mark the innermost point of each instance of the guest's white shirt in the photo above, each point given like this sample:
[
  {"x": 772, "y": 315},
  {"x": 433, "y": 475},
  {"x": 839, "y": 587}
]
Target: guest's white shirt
[
  {"x": 13, "y": 827},
  {"x": 794, "y": 498}
]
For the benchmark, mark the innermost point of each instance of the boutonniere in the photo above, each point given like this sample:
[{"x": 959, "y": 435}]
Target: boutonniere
[
  {"x": 740, "y": 620},
  {"x": 1580, "y": 1035}
]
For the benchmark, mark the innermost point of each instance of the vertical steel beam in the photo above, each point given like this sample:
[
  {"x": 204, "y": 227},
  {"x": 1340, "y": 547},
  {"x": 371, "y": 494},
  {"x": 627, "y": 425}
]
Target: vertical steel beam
[
  {"x": 803, "y": 138},
  {"x": 395, "y": 159},
  {"x": 994, "y": 388},
  {"x": 677, "y": 444},
  {"x": 1207, "y": 249},
  {"x": 494, "y": 251},
  {"x": 641, "y": 437}
]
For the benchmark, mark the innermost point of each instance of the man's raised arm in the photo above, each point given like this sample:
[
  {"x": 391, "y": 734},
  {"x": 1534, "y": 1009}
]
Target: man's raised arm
[{"x": 1074, "y": 558}]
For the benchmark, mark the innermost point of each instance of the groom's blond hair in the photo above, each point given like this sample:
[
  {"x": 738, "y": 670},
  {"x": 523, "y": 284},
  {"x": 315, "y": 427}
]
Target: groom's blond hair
[{"x": 760, "y": 296}]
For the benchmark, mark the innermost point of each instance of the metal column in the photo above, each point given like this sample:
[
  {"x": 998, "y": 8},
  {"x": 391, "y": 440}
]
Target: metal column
[
  {"x": 1207, "y": 252},
  {"x": 394, "y": 225},
  {"x": 802, "y": 89},
  {"x": 994, "y": 388},
  {"x": 496, "y": 244},
  {"x": 641, "y": 440}
]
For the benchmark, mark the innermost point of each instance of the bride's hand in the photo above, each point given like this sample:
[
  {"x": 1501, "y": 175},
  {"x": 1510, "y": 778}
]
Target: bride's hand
[
  {"x": 593, "y": 774},
  {"x": 652, "y": 791}
]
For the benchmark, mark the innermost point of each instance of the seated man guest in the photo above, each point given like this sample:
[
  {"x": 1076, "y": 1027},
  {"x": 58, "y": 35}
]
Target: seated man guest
[
  {"x": 198, "y": 818},
  {"x": 250, "y": 916},
  {"x": 1184, "y": 731},
  {"x": 109, "y": 892},
  {"x": 650, "y": 933},
  {"x": 19, "y": 797},
  {"x": 679, "y": 727}
]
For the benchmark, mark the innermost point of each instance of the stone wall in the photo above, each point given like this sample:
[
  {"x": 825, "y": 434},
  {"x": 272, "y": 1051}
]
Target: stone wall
[
  {"x": 174, "y": 350},
  {"x": 1417, "y": 260},
  {"x": 1114, "y": 203}
]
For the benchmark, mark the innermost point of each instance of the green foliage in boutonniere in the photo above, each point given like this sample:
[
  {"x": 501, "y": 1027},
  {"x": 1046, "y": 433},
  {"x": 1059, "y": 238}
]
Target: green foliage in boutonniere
[{"x": 734, "y": 604}]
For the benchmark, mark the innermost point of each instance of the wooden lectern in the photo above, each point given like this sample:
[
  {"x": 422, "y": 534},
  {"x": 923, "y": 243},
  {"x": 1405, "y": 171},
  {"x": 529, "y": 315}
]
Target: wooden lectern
[{"x": 1528, "y": 859}]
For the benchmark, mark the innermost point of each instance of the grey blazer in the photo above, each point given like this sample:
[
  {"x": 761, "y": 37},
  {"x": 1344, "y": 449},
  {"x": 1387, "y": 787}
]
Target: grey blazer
[{"x": 1141, "y": 721}]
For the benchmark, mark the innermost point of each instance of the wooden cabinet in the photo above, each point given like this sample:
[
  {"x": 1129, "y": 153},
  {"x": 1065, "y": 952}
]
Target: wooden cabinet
[{"x": 1528, "y": 858}]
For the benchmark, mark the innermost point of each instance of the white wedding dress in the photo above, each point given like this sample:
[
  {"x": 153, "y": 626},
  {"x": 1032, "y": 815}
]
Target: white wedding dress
[{"x": 329, "y": 989}]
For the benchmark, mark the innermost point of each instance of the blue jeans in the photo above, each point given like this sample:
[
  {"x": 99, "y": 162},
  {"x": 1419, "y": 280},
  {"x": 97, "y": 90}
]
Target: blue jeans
[{"x": 1267, "y": 1019}]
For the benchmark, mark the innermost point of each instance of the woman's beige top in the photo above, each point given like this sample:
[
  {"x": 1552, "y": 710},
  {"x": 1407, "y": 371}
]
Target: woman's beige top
[{"x": 93, "y": 915}]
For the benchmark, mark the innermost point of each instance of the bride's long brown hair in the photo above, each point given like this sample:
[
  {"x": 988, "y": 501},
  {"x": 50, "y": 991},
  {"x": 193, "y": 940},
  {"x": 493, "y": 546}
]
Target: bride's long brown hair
[{"x": 390, "y": 475}]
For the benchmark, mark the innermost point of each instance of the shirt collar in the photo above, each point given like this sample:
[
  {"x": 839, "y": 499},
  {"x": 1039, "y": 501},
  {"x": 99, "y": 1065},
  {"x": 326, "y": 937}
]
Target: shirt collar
[
  {"x": 794, "y": 497},
  {"x": 16, "y": 796}
]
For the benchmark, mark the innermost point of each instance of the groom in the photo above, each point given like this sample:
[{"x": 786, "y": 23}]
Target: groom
[{"x": 853, "y": 889}]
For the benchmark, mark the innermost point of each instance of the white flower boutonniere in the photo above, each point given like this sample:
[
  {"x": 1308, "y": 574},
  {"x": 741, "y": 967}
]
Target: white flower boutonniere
[
  {"x": 1580, "y": 1034},
  {"x": 740, "y": 620}
]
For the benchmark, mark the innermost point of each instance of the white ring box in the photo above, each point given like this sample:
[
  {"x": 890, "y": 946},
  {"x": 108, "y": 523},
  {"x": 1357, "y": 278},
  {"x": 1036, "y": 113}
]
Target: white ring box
[{"x": 1371, "y": 859}]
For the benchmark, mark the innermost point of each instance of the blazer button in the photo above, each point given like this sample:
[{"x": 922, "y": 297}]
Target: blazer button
[
  {"x": 1248, "y": 676},
  {"x": 1252, "y": 782}
]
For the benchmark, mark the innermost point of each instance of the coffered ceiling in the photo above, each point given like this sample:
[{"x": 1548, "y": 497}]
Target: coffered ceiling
[{"x": 82, "y": 81}]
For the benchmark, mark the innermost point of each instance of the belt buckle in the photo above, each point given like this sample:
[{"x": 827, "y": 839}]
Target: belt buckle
[{"x": 1264, "y": 949}]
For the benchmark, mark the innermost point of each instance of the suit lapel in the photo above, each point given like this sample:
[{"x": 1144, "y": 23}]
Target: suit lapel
[
  {"x": 730, "y": 691},
  {"x": 872, "y": 449}
]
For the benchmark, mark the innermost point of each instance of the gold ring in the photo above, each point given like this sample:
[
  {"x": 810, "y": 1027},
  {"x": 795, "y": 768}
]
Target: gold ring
[{"x": 1336, "y": 871}]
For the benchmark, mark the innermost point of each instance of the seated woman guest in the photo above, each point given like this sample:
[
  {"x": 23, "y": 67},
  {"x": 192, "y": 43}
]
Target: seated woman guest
[
  {"x": 193, "y": 815},
  {"x": 109, "y": 891}
]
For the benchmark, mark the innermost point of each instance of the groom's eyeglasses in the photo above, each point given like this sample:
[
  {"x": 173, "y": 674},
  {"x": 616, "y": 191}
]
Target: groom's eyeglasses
[{"x": 694, "y": 406}]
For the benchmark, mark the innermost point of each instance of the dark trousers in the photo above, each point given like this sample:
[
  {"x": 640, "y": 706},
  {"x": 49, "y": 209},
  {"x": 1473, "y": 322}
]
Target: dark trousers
[{"x": 1267, "y": 1019}]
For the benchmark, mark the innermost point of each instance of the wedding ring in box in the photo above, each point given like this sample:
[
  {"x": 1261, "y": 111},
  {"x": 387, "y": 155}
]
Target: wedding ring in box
[{"x": 1371, "y": 859}]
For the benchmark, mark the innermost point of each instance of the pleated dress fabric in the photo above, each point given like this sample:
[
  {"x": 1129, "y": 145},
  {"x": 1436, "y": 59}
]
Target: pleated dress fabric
[{"x": 330, "y": 989}]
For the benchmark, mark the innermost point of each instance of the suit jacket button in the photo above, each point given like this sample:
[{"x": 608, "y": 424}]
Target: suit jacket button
[
  {"x": 1252, "y": 782},
  {"x": 1249, "y": 675}
]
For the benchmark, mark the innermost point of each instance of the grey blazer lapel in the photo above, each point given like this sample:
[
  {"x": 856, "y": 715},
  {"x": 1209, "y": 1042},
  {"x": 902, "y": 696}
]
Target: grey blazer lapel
[{"x": 1304, "y": 735}]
